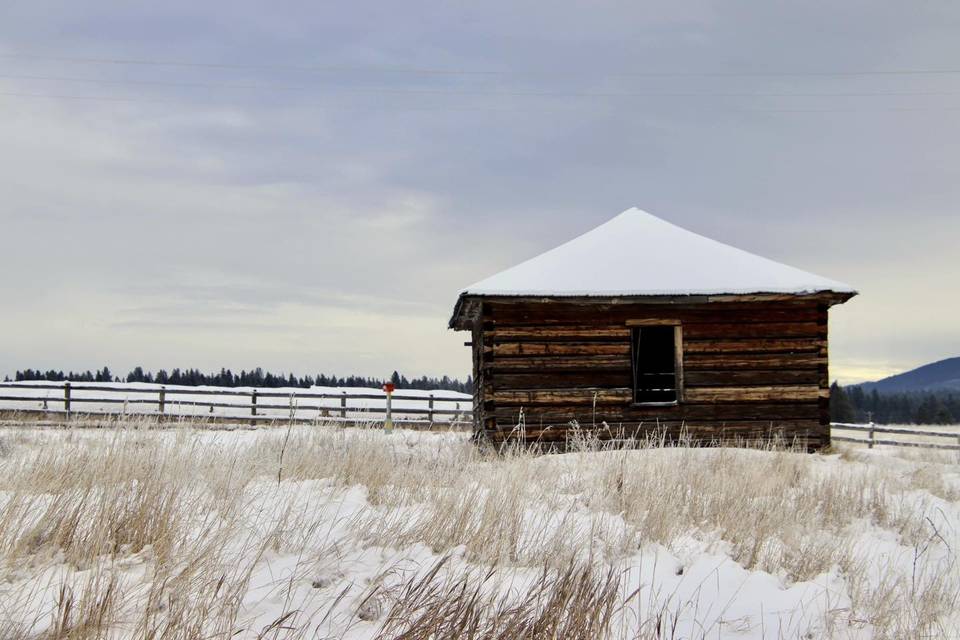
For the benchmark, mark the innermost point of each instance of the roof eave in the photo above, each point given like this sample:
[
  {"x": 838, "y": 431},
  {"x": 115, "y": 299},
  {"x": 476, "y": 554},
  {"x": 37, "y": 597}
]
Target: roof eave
[{"x": 466, "y": 311}]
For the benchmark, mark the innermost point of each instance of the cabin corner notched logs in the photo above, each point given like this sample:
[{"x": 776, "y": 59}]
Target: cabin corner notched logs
[{"x": 750, "y": 369}]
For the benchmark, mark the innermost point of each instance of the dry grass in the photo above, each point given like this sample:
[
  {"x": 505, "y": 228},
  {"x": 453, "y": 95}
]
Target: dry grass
[
  {"x": 577, "y": 602},
  {"x": 134, "y": 532}
]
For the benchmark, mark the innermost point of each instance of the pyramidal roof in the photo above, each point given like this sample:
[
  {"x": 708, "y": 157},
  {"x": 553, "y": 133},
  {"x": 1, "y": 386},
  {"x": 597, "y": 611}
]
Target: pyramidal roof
[{"x": 638, "y": 254}]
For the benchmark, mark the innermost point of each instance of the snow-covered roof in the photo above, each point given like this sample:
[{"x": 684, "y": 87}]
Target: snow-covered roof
[{"x": 638, "y": 254}]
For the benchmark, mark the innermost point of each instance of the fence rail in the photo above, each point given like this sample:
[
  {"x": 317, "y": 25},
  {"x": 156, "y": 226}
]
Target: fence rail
[
  {"x": 432, "y": 408},
  {"x": 872, "y": 430}
]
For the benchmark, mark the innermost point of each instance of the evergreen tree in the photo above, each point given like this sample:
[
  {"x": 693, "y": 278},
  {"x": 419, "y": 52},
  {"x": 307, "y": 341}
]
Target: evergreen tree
[
  {"x": 841, "y": 409},
  {"x": 906, "y": 407},
  {"x": 258, "y": 378}
]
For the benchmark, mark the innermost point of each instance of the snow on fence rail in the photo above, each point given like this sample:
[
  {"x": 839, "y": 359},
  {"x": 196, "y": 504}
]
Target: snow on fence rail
[
  {"x": 253, "y": 404},
  {"x": 872, "y": 430}
]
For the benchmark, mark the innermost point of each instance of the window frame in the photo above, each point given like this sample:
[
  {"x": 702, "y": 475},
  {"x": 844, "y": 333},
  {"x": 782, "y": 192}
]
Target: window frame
[{"x": 677, "y": 359}]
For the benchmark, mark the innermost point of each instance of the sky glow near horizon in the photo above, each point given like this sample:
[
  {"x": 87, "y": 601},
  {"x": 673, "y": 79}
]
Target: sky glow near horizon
[{"x": 307, "y": 188}]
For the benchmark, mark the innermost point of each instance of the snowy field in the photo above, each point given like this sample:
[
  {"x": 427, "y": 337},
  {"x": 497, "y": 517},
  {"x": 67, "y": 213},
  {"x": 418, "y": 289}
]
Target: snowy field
[
  {"x": 324, "y": 532},
  {"x": 212, "y": 402}
]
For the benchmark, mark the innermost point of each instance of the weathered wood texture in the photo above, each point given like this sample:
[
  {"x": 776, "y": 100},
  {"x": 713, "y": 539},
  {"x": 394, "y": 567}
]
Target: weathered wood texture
[{"x": 751, "y": 370}]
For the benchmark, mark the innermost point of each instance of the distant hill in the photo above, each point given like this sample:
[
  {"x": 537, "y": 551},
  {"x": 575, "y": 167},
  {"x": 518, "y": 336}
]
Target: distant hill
[{"x": 936, "y": 376}]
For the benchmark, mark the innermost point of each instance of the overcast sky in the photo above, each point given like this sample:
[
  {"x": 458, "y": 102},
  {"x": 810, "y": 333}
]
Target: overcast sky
[{"x": 310, "y": 187}]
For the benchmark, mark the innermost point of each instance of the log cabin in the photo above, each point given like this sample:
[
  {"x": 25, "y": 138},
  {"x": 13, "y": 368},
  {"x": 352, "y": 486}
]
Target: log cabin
[{"x": 641, "y": 327}]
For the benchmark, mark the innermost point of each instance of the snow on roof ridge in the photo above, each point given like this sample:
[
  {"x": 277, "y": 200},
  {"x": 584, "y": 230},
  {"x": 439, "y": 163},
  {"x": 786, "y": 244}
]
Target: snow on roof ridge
[{"x": 671, "y": 260}]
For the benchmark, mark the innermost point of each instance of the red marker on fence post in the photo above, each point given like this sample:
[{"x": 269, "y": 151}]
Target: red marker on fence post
[{"x": 388, "y": 422}]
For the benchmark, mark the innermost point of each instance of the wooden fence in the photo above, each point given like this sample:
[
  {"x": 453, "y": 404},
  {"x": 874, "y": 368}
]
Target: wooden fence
[
  {"x": 252, "y": 403},
  {"x": 871, "y": 430}
]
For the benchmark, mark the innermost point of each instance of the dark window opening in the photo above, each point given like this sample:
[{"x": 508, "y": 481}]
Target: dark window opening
[{"x": 654, "y": 364}]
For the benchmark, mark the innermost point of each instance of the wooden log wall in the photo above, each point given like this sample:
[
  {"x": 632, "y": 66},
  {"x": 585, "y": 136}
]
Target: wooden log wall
[{"x": 750, "y": 370}]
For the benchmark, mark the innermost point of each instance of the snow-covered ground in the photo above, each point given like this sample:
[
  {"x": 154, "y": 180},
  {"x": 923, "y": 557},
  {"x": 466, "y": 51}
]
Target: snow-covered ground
[
  {"x": 355, "y": 533},
  {"x": 203, "y": 401}
]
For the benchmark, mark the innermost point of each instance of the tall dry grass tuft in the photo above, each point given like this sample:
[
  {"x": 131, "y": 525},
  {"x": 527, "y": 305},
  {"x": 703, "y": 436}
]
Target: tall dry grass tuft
[
  {"x": 87, "y": 614},
  {"x": 577, "y": 602},
  {"x": 93, "y": 498},
  {"x": 101, "y": 503}
]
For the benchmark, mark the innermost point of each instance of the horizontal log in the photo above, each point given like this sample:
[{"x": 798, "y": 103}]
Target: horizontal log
[
  {"x": 754, "y": 330},
  {"x": 752, "y": 394},
  {"x": 741, "y": 427},
  {"x": 562, "y": 379},
  {"x": 714, "y": 361},
  {"x": 718, "y": 412},
  {"x": 671, "y": 433},
  {"x": 559, "y": 349},
  {"x": 788, "y": 430},
  {"x": 714, "y": 412},
  {"x": 742, "y": 378},
  {"x": 565, "y": 396},
  {"x": 810, "y": 444},
  {"x": 539, "y": 364},
  {"x": 554, "y": 313},
  {"x": 551, "y": 332},
  {"x": 653, "y": 322},
  {"x": 721, "y": 411},
  {"x": 754, "y": 345}
]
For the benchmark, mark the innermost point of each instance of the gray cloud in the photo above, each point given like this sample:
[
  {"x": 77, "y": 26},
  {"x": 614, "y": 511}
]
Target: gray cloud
[{"x": 325, "y": 218}]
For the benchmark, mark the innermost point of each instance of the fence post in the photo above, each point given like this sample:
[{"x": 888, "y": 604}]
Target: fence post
[
  {"x": 388, "y": 423},
  {"x": 163, "y": 399},
  {"x": 430, "y": 410},
  {"x": 870, "y": 436},
  {"x": 66, "y": 398},
  {"x": 343, "y": 405},
  {"x": 253, "y": 407}
]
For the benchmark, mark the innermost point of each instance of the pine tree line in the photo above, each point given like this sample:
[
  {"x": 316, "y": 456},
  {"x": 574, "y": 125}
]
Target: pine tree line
[
  {"x": 253, "y": 378},
  {"x": 853, "y": 404}
]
